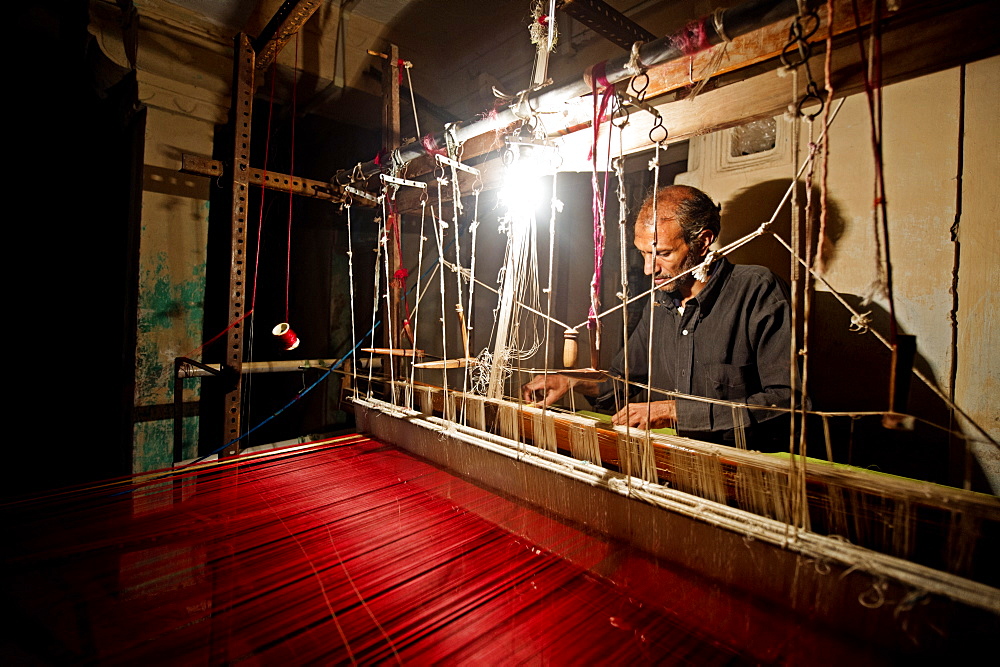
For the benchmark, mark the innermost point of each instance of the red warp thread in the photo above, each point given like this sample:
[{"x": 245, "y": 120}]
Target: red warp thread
[
  {"x": 692, "y": 38},
  {"x": 596, "y": 75},
  {"x": 336, "y": 552},
  {"x": 190, "y": 355},
  {"x": 400, "y": 64}
]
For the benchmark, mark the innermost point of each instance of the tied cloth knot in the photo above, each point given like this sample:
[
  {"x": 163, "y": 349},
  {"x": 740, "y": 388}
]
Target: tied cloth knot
[
  {"x": 400, "y": 278},
  {"x": 691, "y": 39},
  {"x": 430, "y": 145},
  {"x": 701, "y": 273},
  {"x": 861, "y": 322}
]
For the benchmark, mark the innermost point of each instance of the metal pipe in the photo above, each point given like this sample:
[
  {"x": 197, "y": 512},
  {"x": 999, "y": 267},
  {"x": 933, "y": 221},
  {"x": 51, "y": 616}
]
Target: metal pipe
[
  {"x": 734, "y": 21},
  {"x": 188, "y": 370}
]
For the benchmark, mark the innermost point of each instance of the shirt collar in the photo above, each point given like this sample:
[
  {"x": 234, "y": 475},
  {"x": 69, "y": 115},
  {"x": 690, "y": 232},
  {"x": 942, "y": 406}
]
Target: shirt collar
[{"x": 709, "y": 294}]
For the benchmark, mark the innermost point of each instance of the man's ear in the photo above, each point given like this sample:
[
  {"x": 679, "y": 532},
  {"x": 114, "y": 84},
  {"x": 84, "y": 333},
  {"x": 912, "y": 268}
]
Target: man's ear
[{"x": 704, "y": 240}]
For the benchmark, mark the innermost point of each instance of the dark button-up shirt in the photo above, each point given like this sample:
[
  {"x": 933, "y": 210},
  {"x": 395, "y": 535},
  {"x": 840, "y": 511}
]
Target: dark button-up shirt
[{"x": 731, "y": 342}]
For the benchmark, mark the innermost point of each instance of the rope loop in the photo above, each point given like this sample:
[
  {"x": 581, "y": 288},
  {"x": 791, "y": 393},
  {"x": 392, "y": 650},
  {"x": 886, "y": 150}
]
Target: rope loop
[
  {"x": 621, "y": 121},
  {"x": 874, "y": 597}
]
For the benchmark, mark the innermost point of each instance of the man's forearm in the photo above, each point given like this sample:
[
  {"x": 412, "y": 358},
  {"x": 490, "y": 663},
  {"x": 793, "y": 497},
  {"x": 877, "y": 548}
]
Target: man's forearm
[{"x": 589, "y": 388}]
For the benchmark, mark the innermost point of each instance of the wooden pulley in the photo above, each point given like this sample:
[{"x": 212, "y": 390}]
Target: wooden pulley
[{"x": 571, "y": 348}]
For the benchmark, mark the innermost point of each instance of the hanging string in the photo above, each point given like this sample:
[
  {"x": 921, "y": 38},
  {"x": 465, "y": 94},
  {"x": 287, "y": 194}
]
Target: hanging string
[
  {"x": 391, "y": 279},
  {"x": 439, "y": 226},
  {"x": 250, "y": 339},
  {"x": 602, "y": 92},
  {"x": 477, "y": 187},
  {"x": 623, "y": 269},
  {"x": 807, "y": 292},
  {"x": 350, "y": 288},
  {"x": 260, "y": 218},
  {"x": 291, "y": 174},
  {"x": 406, "y": 65},
  {"x": 455, "y": 153},
  {"x": 659, "y": 133},
  {"x": 416, "y": 307},
  {"x": 825, "y": 139},
  {"x": 548, "y": 286},
  {"x": 375, "y": 293},
  {"x": 796, "y": 464},
  {"x": 654, "y": 245},
  {"x": 872, "y": 76}
]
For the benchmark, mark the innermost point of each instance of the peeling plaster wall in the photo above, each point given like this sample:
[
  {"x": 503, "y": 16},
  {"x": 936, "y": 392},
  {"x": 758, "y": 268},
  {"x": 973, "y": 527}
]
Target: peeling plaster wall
[
  {"x": 183, "y": 72},
  {"x": 171, "y": 278}
]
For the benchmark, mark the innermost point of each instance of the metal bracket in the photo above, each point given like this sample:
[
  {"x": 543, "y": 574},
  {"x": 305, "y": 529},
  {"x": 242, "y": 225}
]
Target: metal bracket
[{"x": 402, "y": 181}]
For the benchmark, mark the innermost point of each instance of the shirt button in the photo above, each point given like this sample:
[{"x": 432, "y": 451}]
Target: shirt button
[{"x": 685, "y": 332}]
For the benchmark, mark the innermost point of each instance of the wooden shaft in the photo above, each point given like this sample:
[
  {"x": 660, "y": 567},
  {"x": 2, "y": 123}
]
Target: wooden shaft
[{"x": 463, "y": 329}]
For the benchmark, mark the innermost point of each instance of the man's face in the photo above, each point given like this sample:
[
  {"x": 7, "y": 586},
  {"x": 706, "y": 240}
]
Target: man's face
[{"x": 672, "y": 255}]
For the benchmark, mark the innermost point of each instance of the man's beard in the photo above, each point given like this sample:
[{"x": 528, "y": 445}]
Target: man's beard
[{"x": 690, "y": 262}]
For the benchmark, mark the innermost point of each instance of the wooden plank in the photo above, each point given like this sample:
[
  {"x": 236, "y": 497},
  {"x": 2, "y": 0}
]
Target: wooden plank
[{"x": 909, "y": 49}]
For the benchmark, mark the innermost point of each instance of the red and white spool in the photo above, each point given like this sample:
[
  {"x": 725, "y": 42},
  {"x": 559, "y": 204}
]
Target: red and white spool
[{"x": 289, "y": 339}]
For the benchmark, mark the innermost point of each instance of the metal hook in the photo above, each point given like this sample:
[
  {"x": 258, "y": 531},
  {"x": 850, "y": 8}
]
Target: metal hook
[{"x": 658, "y": 125}]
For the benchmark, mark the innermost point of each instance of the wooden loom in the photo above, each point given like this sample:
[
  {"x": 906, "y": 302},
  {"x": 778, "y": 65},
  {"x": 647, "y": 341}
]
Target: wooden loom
[
  {"x": 858, "y": 550},
  {"x": 351, "y": 550}
]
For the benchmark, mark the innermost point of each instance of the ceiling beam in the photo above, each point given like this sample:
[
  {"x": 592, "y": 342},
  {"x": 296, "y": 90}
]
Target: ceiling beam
[{"x": 285, "y": 23}]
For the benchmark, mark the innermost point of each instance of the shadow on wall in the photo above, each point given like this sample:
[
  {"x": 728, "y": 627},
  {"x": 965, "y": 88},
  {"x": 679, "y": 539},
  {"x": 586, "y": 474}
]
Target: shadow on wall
[
  {"x": 748, "y": 208},
  {"x": 848, "y": 371}
]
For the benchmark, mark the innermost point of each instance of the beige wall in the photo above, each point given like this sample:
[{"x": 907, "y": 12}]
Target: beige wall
[
  {"x": 977, "y": 383},
  {"x": 922, "y": 149}
]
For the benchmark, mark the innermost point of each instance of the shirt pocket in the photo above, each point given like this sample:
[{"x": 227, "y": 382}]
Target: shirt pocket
[{"x": 731, "y": 382}]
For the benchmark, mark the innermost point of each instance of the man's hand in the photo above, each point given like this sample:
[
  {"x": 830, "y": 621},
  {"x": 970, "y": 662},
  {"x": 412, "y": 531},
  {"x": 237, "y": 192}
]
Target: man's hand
[
  {"x": 660, "y": 414},
  {"x": 544, "y": 390}
]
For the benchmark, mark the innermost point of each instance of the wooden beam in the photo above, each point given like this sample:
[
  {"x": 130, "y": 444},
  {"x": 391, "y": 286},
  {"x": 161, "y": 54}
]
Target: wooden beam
[
  {"x": 393, "y": 319},
  {"x": 924, "y": 36},
  {"x": 911, "y": 47}
]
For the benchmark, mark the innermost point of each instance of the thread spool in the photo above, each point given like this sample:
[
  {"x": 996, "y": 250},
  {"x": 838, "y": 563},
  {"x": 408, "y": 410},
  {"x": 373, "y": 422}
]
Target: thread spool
[
  {"x": 289, "y": 339},
  {"x": 570, "y": 348}
]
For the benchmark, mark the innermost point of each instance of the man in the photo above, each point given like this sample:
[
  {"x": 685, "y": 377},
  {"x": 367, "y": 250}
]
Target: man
[{"x": 725, "y": 336}]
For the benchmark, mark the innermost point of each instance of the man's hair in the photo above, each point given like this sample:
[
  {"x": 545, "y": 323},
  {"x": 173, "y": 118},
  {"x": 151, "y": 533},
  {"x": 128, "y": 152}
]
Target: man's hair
[{"x": 693, "y": 210}]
